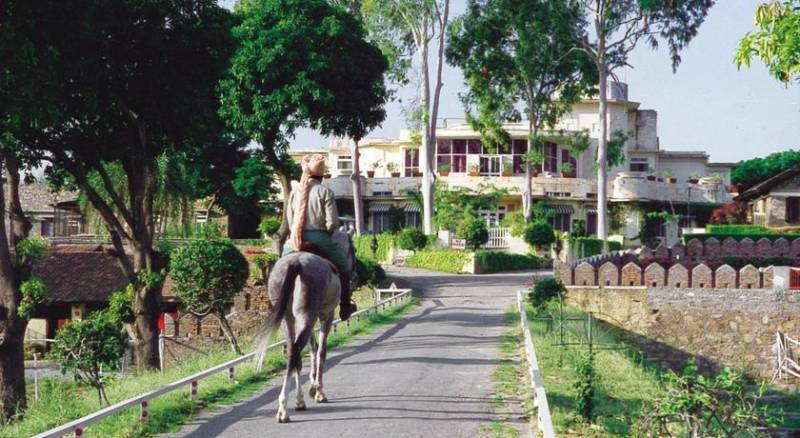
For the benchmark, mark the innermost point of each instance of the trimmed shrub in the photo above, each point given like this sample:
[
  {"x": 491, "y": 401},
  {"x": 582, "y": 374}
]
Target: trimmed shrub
[
  {"x": 491, "y": 261},
  {"x": 739, "y": 236},
  {"x": 590, "y": 246},
  {"x": 474, "y": 231},
  {"x": 269, "y": 226},
  {"x": 369, "y": 272},
  {"x": 443, "y": 260},
  {"x": 545, "y": 290},
  {"x": 539, "y": 235},
  {"x": 411, "y": 239},
  {"x": 736, "y": 229},
  {"x": 363, "y": 247}
]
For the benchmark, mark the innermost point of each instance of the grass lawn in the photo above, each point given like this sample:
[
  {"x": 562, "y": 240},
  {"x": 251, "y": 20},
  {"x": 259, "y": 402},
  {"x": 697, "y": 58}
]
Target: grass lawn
[
  {"x": 61, "y": 402},
  {"x": 621, "y": 386}
]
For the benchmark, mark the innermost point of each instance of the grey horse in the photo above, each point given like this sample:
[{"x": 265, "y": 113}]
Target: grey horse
[{"x": 304, "y": 288}]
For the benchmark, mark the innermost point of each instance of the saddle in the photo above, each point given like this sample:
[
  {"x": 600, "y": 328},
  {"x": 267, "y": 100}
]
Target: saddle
[{"x": 312, "y": 248}]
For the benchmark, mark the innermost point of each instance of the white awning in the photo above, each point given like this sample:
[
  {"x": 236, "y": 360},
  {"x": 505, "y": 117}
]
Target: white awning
[
  {"x": 562, "y": 209},
  {"x": 379, "y": 208},
  {"x": 411, "y": 208}
]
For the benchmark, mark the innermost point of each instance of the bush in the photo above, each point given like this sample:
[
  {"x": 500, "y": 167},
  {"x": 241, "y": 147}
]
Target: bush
[
  {"x": 515, "y": 222},
  {"x": 264, "y": 262},
  {"x": 739, "y": 236},
  {"x": 207, "y": 275},
  {"x": 87, "y": 346},
  {"x": 539, "y": 235},
  {"x": 736, "y": 229},
  {"x": 589, "y": 246},
  {"x": 584, "y": 384},
  {"x": 545, "y": 290},
  {"x": 443, "y": 260},
  {"x": 363, "y": 247},
  {"x": 269, "y": 226},
  {"x": 369, "y": 272},
  {"x": 474, "y": 231},
  {"x": 411, "y": 239},
  {"x": 491, "y": 261},
  {"x": 733, "y": 212}
]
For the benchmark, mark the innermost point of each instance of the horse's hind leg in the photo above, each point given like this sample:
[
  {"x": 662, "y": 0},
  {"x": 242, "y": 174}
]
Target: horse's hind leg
[
  {"x": 316, "y": 385},
  {"x": 302, "y": 338},
  {"x": 293, "y": 353},
  {"x": 312, "y": 358}
]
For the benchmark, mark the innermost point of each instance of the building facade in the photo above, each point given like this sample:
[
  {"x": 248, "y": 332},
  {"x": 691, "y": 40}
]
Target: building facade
[
  {"x": 649, "y": 177},
  {"x": 774, "y": 202}
]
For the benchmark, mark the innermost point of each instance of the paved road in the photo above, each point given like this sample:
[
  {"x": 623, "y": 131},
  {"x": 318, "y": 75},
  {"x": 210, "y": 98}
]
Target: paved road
[{"x": 429, "y": 375}]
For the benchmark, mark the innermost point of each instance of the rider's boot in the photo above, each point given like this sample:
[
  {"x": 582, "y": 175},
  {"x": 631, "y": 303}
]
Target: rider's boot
[{"x": 347, "y": 306}]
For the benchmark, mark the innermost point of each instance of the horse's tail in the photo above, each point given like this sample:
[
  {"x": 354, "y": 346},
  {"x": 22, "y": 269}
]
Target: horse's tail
[{"x": 278, "y": 311}]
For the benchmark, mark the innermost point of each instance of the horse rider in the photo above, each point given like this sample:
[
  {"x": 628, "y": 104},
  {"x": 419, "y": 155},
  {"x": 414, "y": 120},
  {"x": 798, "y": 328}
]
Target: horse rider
[{"x": 313, "y": 218}]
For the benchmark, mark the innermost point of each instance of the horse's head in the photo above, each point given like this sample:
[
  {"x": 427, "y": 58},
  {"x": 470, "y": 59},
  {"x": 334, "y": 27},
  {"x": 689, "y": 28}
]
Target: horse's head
[{"x": 345, "y": 242}]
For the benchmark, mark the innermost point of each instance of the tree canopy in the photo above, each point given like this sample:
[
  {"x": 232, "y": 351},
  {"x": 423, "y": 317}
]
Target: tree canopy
[
  {"x": 750, "y": 172},
  {"x": 777, "y": 41}
]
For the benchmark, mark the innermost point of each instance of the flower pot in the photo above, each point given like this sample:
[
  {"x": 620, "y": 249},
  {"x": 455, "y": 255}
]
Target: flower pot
[
  {"x": 444, "y": 173},
  {"x": 417, "y": 174},
  {"x": 473, "y": 173},
  {"x": 370, "y": 174},
  {"x": 651, "y": 177},
  {"x": 395, "y": 174},
  {"x": 733, "y": 189},
  {"x": 506, "y": 173},
  {"x": 693, "y": 180},
  {"x": 672, "y": 180}
]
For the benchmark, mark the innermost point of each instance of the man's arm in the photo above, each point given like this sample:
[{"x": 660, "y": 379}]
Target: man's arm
[{"x": 331, "y": 213}]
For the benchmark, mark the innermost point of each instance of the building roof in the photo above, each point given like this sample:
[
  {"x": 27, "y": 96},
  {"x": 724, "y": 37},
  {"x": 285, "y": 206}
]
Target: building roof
[
  {"x": 37, "y": 197},
  {"x": 765, "y": 186},
  {"x": 682, "y": 154},
  {"x": 80, "y": 274}
]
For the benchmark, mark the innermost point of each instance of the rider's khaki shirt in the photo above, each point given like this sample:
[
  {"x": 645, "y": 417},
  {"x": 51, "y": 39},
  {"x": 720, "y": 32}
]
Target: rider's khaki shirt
[{"x": 321, "y": 212}]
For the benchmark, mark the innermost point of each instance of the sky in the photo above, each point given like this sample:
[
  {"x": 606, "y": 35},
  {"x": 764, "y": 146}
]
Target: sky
[{"x": 707, "y": 105}]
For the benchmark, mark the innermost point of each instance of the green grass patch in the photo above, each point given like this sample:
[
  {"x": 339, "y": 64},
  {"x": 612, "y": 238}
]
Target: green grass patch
[
  {"x": 63, "y": 401},
  {"x": 509, "y": 380},
  {"x": 623, "y": 386},
  {"x": 442, "y": 260}
]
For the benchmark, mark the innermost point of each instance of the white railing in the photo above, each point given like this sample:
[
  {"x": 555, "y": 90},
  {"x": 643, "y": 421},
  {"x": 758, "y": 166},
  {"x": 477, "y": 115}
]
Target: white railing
[
  {"x": 544, "y": 422},
  {"x": 787, "y": 364},
  {"x": 498, "y": 238},
  {"x": 78, "y": 426},
  {"x": 760, "y": 219}
]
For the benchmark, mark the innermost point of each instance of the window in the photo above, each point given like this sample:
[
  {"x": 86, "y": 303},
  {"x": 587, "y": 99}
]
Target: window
[
  {"x": 551, "y": 157},
  {"x": 639, "y": 164},
  {"x": 411, "y": 161},
  {"x": 561, "y": 222},
  {"x": 452, "y": 153},
  {"x": 591, "y": 224},
  {"x": 493, "y": 217},
  {"x": 793, "y": 210},
  {"x": 47, "y": 228},
  {"x": 566, "y": 157},
  {"x": 344, "y": 162},
  {"x": 380, "y": 222},
  {"x": 413, "y": 219}
]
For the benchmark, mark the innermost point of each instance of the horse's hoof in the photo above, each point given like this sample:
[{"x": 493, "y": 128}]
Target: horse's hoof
[
  {"x": 320, "y": 397},
  {"x": 312, "y": 391},
  {"x": 300, "y": 406},
  {"x": 284, "y": 418}
]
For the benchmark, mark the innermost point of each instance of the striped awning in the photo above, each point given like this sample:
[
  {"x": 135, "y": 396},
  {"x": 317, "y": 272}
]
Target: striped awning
[
  {"x": 562, "y": 209},
  {"x": 590, "y": 208},
  {"x": 411, "y": 208},
  {"x": 379, "y": 208}
]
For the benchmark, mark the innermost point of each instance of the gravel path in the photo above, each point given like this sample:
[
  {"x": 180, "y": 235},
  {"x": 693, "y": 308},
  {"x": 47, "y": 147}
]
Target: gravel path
[{"x": 428, "y": 375}]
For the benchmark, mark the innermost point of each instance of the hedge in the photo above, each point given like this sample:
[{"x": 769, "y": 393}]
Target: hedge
[
  {"x": 363, "y": 245},
  {"x": 590, "y": 246},
  {"x": 443, "y": 260},
  {"x": 739, "y": 236},
  {"x": 491, "y": 261},
  {"x": 369, "y": 272},
  {"x": 735, "y": 229}
]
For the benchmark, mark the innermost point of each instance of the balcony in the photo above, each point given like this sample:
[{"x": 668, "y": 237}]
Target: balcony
[{"x": 634, "y": 187}]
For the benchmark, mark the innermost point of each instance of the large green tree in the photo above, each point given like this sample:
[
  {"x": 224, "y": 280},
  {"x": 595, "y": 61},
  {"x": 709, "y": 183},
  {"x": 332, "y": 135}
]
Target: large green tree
[
  {"x": 301, "y": 63},
  {"x": 615, "y": 28},
  {"x": 418, "y": 21},
  {"x": 519, "y": 52},
  {"x": 777, "y": 41},
  {"x": 750, "y": 172},
  {"x": 128, "y": 82}
]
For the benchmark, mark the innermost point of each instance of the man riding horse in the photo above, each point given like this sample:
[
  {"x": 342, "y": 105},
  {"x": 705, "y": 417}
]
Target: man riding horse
[{"x": 312, "y": 216}]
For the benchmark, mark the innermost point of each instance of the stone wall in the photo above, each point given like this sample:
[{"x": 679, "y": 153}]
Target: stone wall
[{"x": 670, "y": 325}]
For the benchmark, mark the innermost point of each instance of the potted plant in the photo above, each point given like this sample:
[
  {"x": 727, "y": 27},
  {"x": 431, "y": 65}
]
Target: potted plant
[
  {"x": 566, "y": 170},
  {"x": 444, "y": 169},
  {"x": 374, "y": 166},
  {"x": 668, "y": 178},
  {"x": 694, "y": 179},
  {"x": 651, "y": 174},
  {"x": 474, "y": 170},
  {"x": 508, "y": 169},
  {"x": 393, "y": 169},
  {"x": 533, "y": 158},
  {"x": 416, "y": 172}
]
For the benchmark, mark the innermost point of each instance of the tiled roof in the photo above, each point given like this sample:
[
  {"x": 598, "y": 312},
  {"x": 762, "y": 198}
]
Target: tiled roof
[
  {"x": 37, "y": 197},
  {"x": 765, "y": 186},
  {"x": 75, "y": 274}
]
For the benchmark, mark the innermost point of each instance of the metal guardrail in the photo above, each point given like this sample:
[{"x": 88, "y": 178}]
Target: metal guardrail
[
  {"x": 544, "y": 422},
  {"x": 78, "y": 426}
]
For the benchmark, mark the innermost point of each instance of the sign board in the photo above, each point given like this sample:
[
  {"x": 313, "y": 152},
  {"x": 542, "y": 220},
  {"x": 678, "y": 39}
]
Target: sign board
[{"x": 458, "y": 244}]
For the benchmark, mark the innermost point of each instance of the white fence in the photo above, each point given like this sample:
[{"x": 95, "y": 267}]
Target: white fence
[
  {"x": 498, "y": 238},
  {"x": 787, "y": 364},
  {"x": 544, "y": 422},
  {"x": 77, "y": 427}
]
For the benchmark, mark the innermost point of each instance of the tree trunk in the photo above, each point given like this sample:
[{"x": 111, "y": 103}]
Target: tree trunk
[
  {"x": 528, "y": 191},
  {"x": 283, "y": 177},
  {"x": 226, "y": 329},
  {"x": 12, "y": 329},
  {"x": 427, "y": 175},
  {"x": 358, "y": 204},
  {"x": 602, "y": 153}
]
